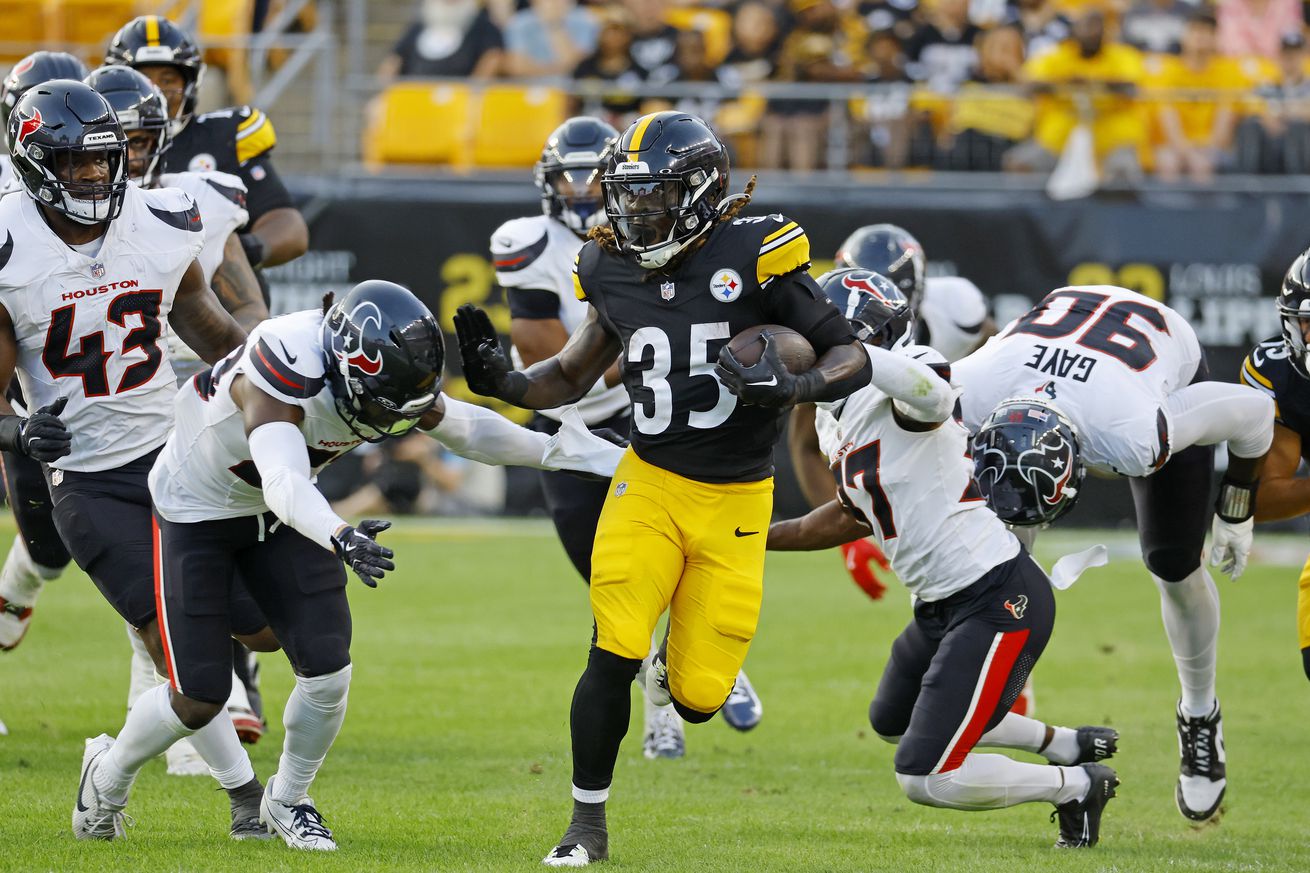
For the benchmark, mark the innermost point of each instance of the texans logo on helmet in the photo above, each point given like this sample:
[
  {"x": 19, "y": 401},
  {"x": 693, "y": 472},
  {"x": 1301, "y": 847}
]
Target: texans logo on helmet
[
  {"x": 859, "y": 283},
  {"x": 1058, "y": 452},
  {"x": 351, "y": 330},
  {"x": 28, "y": 125},
  {"x": 23, "y": 66}
]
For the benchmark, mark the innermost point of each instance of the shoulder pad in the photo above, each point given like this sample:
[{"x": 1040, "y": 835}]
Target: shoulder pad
[
  {"x": 782, "y": 244},
  {"x": 282, "y": 360},
  {"x": 255, "y": 134},
  {"x": 1265, "y": 366},
  {"x": 519, "y": 243},
  {"x": 174, "y": 207}
]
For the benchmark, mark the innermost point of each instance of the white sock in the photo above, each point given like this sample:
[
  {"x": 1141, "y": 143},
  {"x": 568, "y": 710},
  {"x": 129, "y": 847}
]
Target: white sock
[
  {"x": 1191, "y": 621},
  {"x": 151, "y": 727},
  {"x": 1029, "y": 735},
  {"x": 218, "y": 745},
  {"x": 239, "y": 698},
  {"x": 312, "y": 719},
  {"x": 995, "y": 781},
  {"x": 21, "y": 578},
  {"x": 143, "y": 676}
]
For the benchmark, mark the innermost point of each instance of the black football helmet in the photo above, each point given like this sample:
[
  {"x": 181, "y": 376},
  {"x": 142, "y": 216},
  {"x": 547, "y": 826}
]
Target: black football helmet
[
  {"x": 34, "y": 69},
  {"x": 568, "y": 174},
  {"x": 1294, "y": 310},
  {"x": 139, "y": 105},
  {"x": 51, "y": 127},
  {"x": 384, "y": 354},
  {"x": 1027, "y": 462},
  {"x": 874, "y": 306},
  {"x": 664, "y": 185},
  {"x": 889, "y": 250},
  {"x": 151, "y": 39}
]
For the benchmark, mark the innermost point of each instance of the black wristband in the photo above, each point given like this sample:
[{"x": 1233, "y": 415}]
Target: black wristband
[
  {"x": 253, "y": 247},
  {"x": 1236, "y": 501},
  {"x": 11, "y": 434},
  {"x": 809, "y": 385}
]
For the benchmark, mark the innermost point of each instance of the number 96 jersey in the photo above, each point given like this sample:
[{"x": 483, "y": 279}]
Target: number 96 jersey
[
  {"x": 915, "y": 489},
  {"x": 1105, "y": 356},
  {"x": 88, "y": 323}
]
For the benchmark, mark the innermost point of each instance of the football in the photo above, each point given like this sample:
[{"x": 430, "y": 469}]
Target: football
[{"x": 795, "y": 350}]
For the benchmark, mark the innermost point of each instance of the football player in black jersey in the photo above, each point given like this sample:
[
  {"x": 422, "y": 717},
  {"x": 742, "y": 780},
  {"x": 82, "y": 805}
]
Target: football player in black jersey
[
  {"x": 236, "y": 140},
  {"x": 1279, "y": 368},
  {"x": 682, "y": 529}
]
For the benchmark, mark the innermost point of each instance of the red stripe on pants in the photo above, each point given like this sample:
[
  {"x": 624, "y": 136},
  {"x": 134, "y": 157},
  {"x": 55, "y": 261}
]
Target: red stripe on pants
[
  {"x": 160, "y": 616},
  {"x": 993, "y": 684}
]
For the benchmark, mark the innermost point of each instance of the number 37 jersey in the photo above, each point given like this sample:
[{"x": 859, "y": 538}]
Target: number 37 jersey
[
  {"x": 88, "y": 324},
  {"x": 1105, "y": 356}
]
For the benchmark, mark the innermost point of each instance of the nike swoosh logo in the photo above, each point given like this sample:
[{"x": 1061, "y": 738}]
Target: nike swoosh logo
[
  {"x": 745, "y": 533},
  {"x": 773, "y": 380},
  {"x": 291, "y": 359},
  {"x": 80, "y": 786}
]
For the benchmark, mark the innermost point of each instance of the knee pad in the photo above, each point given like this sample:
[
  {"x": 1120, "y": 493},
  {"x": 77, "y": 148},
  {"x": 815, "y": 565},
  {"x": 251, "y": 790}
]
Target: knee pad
[
  {"x": 328, "y": 691},
  {"x": 915, "y": 788},
  {"x": 692, "y": 716},
  {"x": 1171, "y": 563},
  {"x": 701, "y": 694},
  {"x": 888, "y": 724},
  {"x": 330, "y": 655},
  {"x": 611, "y": 668}
]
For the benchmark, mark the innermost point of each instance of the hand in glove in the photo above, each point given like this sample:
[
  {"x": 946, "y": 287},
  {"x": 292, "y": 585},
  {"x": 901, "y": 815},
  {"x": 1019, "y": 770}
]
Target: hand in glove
[{"x": 359, "y": 549}]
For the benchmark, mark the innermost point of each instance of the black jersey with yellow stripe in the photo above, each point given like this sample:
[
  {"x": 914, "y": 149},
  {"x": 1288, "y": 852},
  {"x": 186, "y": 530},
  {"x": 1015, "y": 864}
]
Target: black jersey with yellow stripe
[
  {"x": 237, "y": 140},
  {"x": 672, "y": 324},
  {"x": 1268, "y": 369}
]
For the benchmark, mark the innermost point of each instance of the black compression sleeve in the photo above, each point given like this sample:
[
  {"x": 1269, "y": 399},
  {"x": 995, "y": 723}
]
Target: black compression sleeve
[
  {"x": 796, "y": 301},
  {"x": 11, "y": 435},
  {"x": 532, "y": 303},
  {"x": 264, "y": 189}
]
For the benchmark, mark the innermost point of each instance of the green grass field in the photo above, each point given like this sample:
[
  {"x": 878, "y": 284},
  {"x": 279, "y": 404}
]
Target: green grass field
[{"x": 454, "y": 755}]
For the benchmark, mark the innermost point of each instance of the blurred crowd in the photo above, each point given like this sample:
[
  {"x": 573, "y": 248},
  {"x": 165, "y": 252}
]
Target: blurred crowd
[{"x": 1170, "y": 87}]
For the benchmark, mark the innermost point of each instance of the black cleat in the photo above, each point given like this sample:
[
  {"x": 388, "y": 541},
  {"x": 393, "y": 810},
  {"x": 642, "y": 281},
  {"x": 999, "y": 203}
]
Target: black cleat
[
  {"x": 1203, "y": 771},
  {"x": 1080, "y": 820},
  {"x": 1095, "y": 744}
]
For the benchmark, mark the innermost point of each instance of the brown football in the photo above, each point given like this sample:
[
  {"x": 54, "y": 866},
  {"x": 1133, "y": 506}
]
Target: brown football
[{"x": 795, "y": 350}]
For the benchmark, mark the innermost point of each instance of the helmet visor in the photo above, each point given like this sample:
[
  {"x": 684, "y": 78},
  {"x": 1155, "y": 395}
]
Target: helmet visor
[
  {"x": 388, "y": 420},
  {"x": 644, "y": 212},
  {"x": 577, "y": 188}
]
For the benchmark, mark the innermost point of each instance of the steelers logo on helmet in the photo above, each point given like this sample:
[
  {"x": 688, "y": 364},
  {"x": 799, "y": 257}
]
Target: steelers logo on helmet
[{"x": 726, "y": 285}]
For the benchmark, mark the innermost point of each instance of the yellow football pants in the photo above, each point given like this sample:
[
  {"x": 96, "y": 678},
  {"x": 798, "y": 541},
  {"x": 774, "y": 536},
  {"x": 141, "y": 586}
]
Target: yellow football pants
[
  {"x": 693, "y": 548},
  {"x": 1303, "y": 607}
]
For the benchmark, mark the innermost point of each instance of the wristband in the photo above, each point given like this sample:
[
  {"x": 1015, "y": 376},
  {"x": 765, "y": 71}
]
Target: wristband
[
  {"x": 1236, "y": 502},
  {"x": 11, "y": 434},
  {"x": 254, "y": 248}
]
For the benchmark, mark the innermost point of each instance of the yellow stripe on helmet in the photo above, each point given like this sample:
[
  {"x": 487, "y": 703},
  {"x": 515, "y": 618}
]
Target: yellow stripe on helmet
[{"x": 152, "y": 30}]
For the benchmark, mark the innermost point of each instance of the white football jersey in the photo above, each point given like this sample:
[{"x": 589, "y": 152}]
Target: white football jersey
[
  {"x": 915, "y": 489},
  {"x": 221, "y": 199},
  {"x": 537, "y": 254},
  {"x": 952, "y": 313},
  {"x": 205, "y": 470},
  {"x": 89, "y": 325},
  {"x": 8, "y": 181},
  {"x": 1105, "y": 356}
]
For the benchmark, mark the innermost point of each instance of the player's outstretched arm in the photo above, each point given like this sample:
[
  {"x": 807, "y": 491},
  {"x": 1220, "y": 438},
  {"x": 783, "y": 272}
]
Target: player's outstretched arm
[
  {"x": 201, "y": 321},
  {"x": 42, "y": 435},
  {"x": 1281, "y": 493},
  {"x": 483, "y": 436},
  {"x": 282, "y": 236},
  {"x": 922, "y": 397},
  {"x": 556, "y": 381},
  {"x": 807, "y": 458},
  {"x": 237, "y": 288},
  {"x": 824, "y": 528}
]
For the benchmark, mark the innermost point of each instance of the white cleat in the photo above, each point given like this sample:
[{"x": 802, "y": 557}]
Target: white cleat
[
  {"x": 654, "y": 677},
  {"x": 249, "y": 727},
  {"x": 14, "y": 621},
  {"x": 1203, "y": 771},
  {"x": 4, "y": 729},
  {"x": 184, "y": 760},
  {"x": 743, "y": 709},
  {"x": 298, "y": 824},
  {"x": 93, "y": 817},
  {"x": 664, "y": 736},
  {"x": 567, "y": 856}
]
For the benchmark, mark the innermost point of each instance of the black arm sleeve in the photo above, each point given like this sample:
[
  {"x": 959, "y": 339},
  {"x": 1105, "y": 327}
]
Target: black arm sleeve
[
  {"x": 264, "y": 189},
  {"x": 532, "y": 303},
  {"x": 796, "y": 301}
]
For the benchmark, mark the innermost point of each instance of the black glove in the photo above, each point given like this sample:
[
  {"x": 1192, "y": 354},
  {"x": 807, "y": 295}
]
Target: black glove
[
  {"x": 359, "y": 549},
  {"x": 610, "y": 435},
  {"x": 253, "y": 247},
  {"x": 487, "y": 369},
  {"x": 767, "y": 383},
  {"x": 41, "y": 436}
]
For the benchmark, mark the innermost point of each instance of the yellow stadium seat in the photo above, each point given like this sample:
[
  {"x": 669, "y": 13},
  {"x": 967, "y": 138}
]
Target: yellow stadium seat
[
  {"x": 417, "y": 123},
  {"x": 513, "y": 122},
  {"x": 715, "y": 24},
  {"x": 90, "y": 23},
  {"x": 23, "y": 31}
]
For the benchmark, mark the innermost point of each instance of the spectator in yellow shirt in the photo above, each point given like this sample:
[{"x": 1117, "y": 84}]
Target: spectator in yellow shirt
[
  {"x": 1091, "y": 81},
  {"x": 1196, "y": 128},
  {"x": 989, "y": 114}
]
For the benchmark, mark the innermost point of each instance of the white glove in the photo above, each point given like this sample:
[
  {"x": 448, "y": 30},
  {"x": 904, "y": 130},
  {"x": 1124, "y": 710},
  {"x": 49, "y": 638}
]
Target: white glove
[{"x": 1231, "y": 545}]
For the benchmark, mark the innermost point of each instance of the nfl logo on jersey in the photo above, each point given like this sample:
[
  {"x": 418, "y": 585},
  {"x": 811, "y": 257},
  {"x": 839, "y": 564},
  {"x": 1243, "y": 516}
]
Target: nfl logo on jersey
[
  {"x": 97, "y": 271},
  {"x": 666, "y": 291}
]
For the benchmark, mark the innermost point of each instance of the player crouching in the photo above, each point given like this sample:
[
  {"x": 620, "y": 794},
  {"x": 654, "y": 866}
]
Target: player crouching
[
  {"x": 983, "y": 608},
  {"x": 233, "y": 489}
]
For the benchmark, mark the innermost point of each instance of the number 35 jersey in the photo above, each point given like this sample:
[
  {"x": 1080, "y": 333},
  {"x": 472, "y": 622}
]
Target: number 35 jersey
[
  {"x": 1105, "y": 356},
  {"x": 749, "y": 272},
  {"x": 88, "y": 324},
  {"x": 915, "y": 489}
]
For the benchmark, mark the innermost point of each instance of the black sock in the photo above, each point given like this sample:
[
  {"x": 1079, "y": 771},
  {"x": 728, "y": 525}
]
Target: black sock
[
  {"x": 245, "y": 798},
  {"x": 602, "y": 705},
  {"x": 587, "y": 829}
]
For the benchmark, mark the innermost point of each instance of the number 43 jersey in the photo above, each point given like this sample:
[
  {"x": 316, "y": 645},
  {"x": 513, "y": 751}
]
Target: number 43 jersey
[
  {"x": 915, "y": 489},
  {"x": 1105, "y": 356},
  {"x": 88, "y": 323},
  {"x": 750, "y": 271}
]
